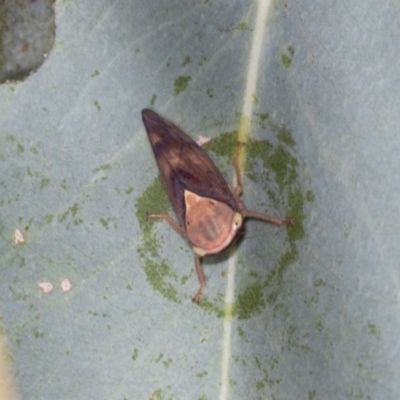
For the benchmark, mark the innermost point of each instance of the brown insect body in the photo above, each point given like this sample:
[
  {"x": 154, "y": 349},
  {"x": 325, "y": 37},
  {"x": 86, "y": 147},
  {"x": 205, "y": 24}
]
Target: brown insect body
[
  {"x": 200, "y": 196},
  {"x": 209, "y": 212}
]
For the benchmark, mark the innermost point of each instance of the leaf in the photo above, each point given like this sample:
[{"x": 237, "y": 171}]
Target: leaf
[{"x": 307, "y": 311}]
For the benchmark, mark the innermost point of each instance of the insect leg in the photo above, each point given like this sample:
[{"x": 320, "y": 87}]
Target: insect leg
[
  {"x": 265, "y": 217},
  {"x": 202, "y": 279},
  {"x": 171, "y": 222},
  {"x": 237, "y": 191}
]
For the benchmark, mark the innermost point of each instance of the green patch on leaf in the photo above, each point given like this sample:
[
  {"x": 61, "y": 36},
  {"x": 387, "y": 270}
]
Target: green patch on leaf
[
  {"x": 186, "y": 61},
  {"x": 104, "y": 167},
  {"x": 181, "y": 83},
  {"x": 71, "y": 211},
  {"x": 287, "y": 57},
  {"x": 129, "y": 190},
  {"x": 250, "y": 301},
  {"x": 157, "y": 275}
]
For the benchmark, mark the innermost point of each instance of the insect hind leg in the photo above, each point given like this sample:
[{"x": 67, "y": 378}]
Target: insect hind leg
[
  {"x": 166, "y": 217},
  {"x": 202, "y": 279}
]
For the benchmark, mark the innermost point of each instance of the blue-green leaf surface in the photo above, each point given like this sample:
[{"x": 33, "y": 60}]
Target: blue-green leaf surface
[{"x": 304, "y": 312}]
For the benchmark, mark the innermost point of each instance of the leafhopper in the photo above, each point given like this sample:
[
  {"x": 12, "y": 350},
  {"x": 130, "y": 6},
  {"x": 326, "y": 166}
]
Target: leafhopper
[{"x": 209, "y": 212}]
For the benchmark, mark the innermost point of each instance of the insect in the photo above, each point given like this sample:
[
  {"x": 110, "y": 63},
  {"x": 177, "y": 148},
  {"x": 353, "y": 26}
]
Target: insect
[{"x": 209, "y": 212}]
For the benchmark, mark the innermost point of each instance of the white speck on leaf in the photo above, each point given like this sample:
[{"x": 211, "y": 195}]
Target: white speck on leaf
[
  {"x": 45, "y": 287},
  {"x": 18, "y": 237},
  {"x": 66, "y": 285},
  {"x": 203, "y": 140}
]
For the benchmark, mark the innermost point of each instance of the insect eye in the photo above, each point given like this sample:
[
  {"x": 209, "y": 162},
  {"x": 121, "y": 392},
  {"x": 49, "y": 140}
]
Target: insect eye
[{"x": 237, "y": 221}]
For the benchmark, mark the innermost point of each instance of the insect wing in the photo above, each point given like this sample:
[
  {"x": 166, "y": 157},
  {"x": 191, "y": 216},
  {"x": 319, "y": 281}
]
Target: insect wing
[{"x": 184, "y": 165}]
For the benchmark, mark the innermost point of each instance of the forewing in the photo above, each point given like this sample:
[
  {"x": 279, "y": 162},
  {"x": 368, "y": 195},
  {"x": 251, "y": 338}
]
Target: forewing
[{"x": 184, "y": 165}]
